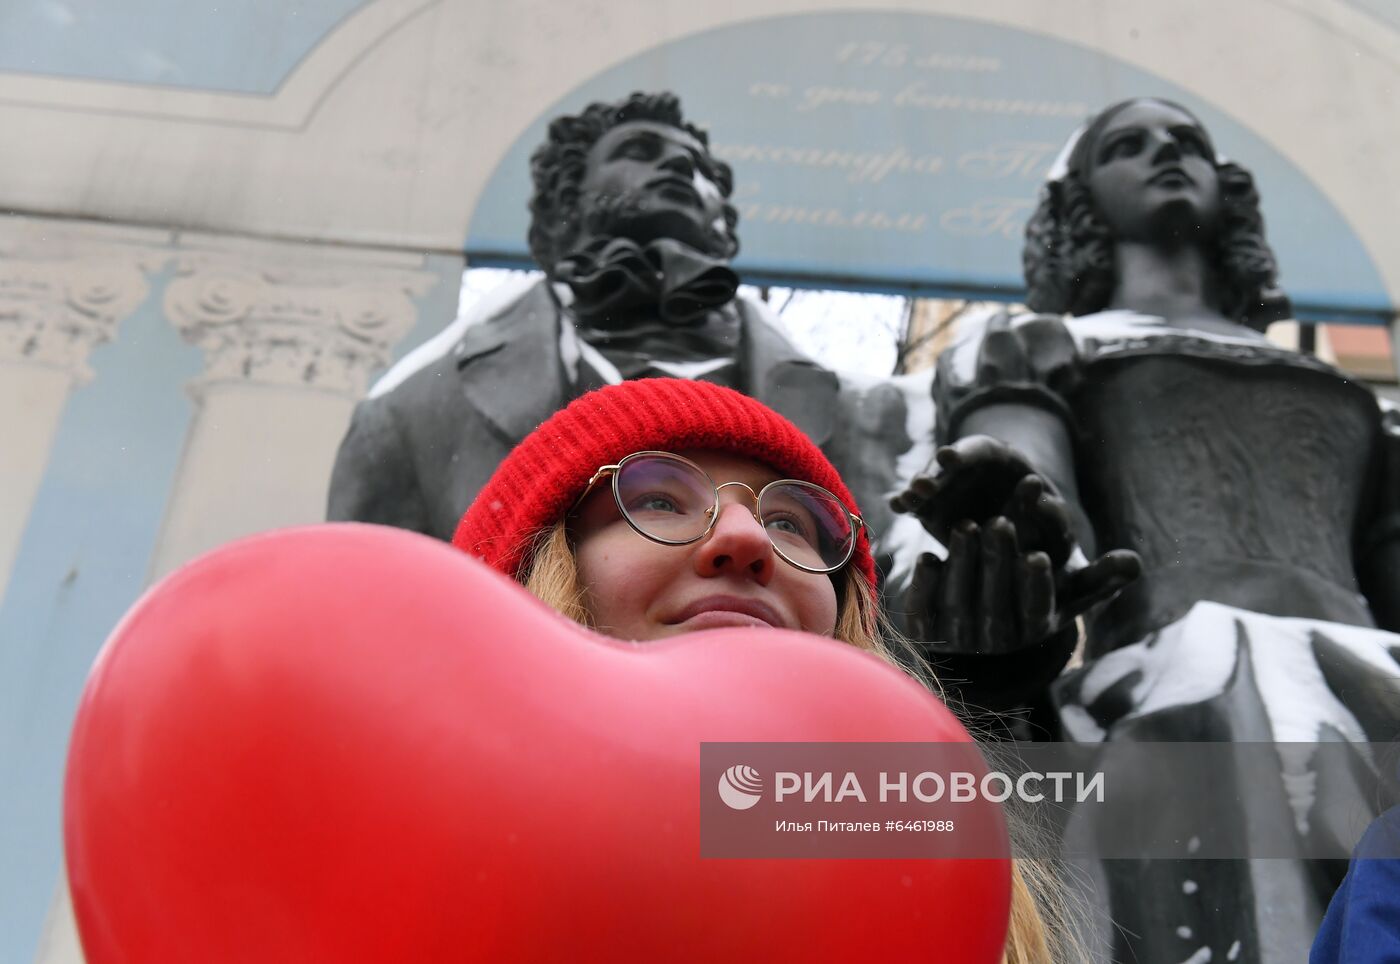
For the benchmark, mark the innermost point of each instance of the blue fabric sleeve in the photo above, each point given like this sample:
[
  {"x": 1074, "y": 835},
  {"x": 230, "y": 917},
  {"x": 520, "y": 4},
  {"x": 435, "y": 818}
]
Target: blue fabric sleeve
[{"x": 1362, "y": 925}]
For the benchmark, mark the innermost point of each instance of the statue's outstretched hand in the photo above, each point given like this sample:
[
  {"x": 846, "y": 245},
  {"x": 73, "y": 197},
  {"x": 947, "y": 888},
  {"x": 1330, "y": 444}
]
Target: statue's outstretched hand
[
  {"x": 1010, "y": 580},
  {"x": 979, "y": 478}
]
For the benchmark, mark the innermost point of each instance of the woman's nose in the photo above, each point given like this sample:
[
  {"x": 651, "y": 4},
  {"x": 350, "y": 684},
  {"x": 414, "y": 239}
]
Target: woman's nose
[
  {"x": 737, "y": 545},
  {"x": 1165, "y": 147}
]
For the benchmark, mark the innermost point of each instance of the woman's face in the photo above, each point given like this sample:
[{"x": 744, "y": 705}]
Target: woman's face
[
  {"x": 641, "y": 590},
  {"x": 1152, "y": 176}
]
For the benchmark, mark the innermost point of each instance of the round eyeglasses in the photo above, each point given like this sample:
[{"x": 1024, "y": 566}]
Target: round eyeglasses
[{"x": 671, "y": 500}]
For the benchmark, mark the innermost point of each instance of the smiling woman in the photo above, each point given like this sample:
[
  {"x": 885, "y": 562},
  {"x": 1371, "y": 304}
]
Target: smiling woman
[
  {"x": 645, "y": 588},
  {"x": 751, "y": 525},
  {"x": 662, "y": 506},
  {"x": 695, "y": 565}
]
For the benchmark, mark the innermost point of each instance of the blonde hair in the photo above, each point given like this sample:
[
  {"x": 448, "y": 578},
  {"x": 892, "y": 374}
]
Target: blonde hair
[{"x": 550, "y": 574}]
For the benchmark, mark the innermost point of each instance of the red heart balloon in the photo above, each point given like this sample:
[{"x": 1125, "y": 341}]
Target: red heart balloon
[{"x": 349, "y": 743}]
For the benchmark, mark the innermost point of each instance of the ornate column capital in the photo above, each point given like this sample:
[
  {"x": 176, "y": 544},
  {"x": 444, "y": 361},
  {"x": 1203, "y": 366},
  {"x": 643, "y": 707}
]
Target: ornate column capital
[
  {"x": 302, "y": 316},
  {"x": 65, "y": 286}
]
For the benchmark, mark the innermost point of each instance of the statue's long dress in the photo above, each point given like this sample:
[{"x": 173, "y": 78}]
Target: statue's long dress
[{"x": 1246, "y": 476}]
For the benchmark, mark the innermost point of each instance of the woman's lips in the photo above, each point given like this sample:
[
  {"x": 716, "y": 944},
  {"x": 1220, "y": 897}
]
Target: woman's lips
[
  {"x": 720, "y": 618},
  {"x": 716, "y": 611}
]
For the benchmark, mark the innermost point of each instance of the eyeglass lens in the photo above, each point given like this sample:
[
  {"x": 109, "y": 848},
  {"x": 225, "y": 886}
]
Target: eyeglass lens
[{"x": 670, "y": 500}]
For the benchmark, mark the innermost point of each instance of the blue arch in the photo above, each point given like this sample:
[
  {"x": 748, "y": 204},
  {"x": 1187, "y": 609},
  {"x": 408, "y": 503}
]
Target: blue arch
[
  {"x": 235, "y": 46},
  {"x": 903, "y": 151}
]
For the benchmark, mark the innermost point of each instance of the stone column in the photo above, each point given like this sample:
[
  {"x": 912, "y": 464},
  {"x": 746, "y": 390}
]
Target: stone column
[
  {"x": 59, "y": 943},
  {"x": 64, "y": 288},
  {"x": 290, "y": 334}
]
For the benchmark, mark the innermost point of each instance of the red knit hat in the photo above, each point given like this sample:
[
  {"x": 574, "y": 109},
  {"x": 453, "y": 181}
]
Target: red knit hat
[{"x": 543, "y": 476}]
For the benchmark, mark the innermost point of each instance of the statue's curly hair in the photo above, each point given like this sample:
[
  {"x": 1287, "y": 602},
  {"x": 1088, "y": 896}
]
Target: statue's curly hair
[
  {"x": 1068, "y": 255},
  {"x": 558, "y": 166}
]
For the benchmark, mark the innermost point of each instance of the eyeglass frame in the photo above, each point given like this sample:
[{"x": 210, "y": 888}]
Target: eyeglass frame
[{"x": 857, "y": 523}]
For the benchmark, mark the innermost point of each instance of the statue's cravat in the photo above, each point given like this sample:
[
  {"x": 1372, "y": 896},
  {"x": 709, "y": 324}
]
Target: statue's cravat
[
  {"x": 615, "y": 280},
  {"x": 660, "y": 310}
]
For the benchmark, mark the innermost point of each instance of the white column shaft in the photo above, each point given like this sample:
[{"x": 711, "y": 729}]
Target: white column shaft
[
  {"x": 65, "y": 286},
  {"x": 31, "y": 403},
  {"x": 257, "y": 458}
]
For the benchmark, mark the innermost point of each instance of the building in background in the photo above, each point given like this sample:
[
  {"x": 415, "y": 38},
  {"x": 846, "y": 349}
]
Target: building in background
[{"x": 219, "y": 221}]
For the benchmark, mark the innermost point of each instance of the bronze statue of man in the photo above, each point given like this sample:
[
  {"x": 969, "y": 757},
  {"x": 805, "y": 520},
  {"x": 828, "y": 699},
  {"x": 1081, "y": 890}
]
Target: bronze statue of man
[{"x": 632, "y": 226}]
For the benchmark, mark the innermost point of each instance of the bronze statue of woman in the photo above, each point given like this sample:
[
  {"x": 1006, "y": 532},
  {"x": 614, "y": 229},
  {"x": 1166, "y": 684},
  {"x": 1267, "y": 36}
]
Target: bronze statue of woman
[{"x": 1259, "y": 486}]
